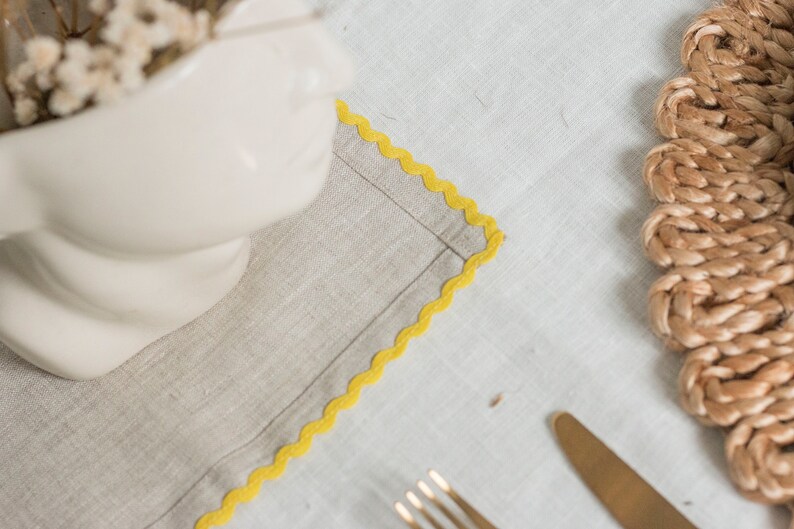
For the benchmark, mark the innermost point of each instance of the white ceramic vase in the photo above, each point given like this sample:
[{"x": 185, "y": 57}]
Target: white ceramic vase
[{"x": 125, "y": 222}]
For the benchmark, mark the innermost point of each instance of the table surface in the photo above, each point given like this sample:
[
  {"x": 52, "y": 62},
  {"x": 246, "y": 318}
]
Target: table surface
[{"x": 542, "y": 112}]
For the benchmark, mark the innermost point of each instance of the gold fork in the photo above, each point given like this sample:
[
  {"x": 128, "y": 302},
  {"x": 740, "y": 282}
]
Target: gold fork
[{"x": 479, "y": 521}]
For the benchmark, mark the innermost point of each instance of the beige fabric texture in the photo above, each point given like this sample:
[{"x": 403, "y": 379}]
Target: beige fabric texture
[{"x": 158, "y": 442}]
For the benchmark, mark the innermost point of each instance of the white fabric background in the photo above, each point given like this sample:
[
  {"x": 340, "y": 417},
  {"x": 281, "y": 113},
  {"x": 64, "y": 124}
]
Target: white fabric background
[{"x": 542, "y": 112}]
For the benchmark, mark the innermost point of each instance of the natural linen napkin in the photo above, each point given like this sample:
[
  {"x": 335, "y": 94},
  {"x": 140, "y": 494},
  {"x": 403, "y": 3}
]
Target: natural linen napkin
[{"x": 160, "y": 441}]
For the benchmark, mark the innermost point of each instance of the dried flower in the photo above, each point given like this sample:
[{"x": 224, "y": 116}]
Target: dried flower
[
  {"x": 78, "y": 50},
  {"x": 191, "y": 32},
  {"x": 99, "y": 7},
  {"x": 26, "y": 111},
  {"x": 18, "y": 79},
  {"x": 203, "y": 27},
  {"x": 159, "y": 35},
  {"x": 71, "y": 76},
  {"x": 44, "y": 80},
  {"x": 63, "y": 103},
  {"x": 130, "y": 73},
  {"x": 108, "y": 89},
  {"x": 43, "y": 52},
  {"x": 103, "y": 55}
]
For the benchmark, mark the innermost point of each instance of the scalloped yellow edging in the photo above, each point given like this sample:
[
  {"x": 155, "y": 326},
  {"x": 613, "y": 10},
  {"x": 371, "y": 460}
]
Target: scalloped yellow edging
[{"x": 494, "y": 238}]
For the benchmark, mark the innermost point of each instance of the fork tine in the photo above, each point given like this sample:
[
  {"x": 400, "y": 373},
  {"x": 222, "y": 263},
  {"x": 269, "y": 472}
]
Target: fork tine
[
  {"x": 479, "y": 520},
  {"x": 422, "y": 510},
  {"x": 405, "y": 515},
  {"x": 428, "y": 492}
]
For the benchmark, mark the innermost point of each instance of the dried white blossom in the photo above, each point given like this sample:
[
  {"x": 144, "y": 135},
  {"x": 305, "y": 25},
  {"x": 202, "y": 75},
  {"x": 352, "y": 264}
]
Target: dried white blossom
[
  {"x": 192, "y": 31},
  {"x": 43, "y": 53},
  {"x": 159, "y": 35},
  {"x": 78, "y": 50},
  {"x": 18, "y": 79},
  {"x": 128, "y": 6},
  {"x": 117, "y": 24},
  {"x": 178, "y": 20},
  {"x": 203, "y": 21},
  {"x": 26, "y": 110},
  {"x": 130, "y": 73},
  {"x": 71, "y": 76},
  {"x": 103, "y": 56},
  {"x": 44, "y": 80},
  {"x": 137, "y": 43},
  {"x": 63, "y": 103},
  {"x": 108, "y": 89},
  {"x": 99, "y": 7}
]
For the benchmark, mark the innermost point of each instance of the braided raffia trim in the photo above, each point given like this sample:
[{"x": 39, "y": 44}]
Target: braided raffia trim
[{"x": 723, "y": 235}]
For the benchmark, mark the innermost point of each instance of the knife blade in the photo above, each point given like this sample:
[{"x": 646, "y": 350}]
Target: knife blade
[{"x": 630, "y": 499}]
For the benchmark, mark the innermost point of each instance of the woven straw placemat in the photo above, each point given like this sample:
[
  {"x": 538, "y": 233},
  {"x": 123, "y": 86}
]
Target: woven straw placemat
[{"x": 723, "y": 234}]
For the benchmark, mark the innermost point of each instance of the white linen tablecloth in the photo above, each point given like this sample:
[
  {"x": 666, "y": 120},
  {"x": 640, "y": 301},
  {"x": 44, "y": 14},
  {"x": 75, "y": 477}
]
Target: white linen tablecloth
[{"x": 542, "y": 112}]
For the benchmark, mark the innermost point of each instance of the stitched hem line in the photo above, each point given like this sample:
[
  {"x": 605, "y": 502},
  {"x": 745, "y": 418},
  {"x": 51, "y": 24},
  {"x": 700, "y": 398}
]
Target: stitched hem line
[
  {"x": 311, "y": 384},
  {"x": 393, "y": 201}
]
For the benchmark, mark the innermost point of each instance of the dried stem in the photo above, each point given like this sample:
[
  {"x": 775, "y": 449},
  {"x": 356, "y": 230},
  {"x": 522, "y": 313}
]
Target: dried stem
[
  {"x": 26, "y": 18},
  {"x": 22, "y": 34},
  {"x": 93, "y": 30},
  {"x": 3, "y": 58},
  {"x": 75, "y": 13},
  {"x": 3, "y": 49},
  {"x": 62, "y": 27},
  {"x": 90, "y": 31}
]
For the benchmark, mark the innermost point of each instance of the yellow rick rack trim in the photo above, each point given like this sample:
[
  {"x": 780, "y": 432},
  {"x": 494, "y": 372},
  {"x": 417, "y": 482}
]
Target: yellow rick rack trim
[{"x": 322, "y": 425}]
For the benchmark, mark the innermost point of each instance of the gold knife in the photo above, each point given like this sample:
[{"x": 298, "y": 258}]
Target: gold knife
[{"x": 633, "y": 503}]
